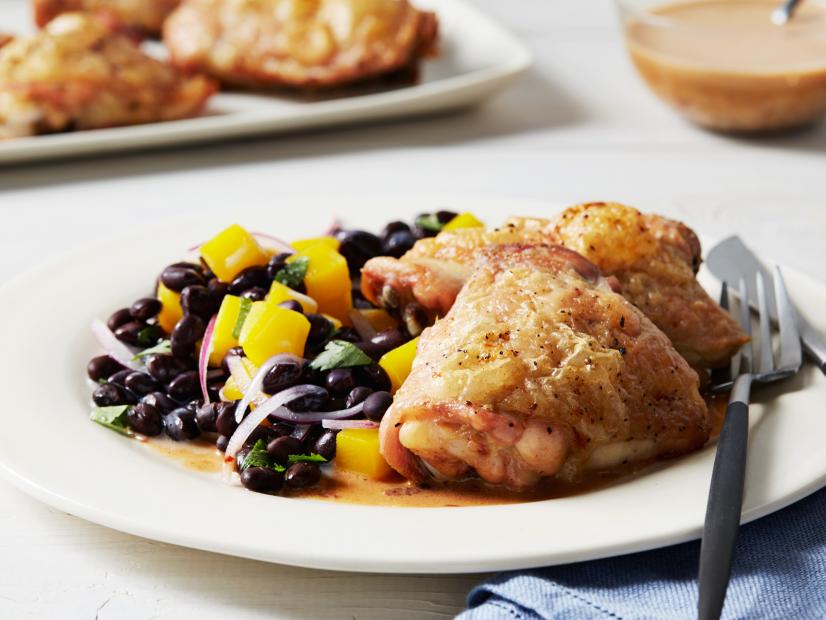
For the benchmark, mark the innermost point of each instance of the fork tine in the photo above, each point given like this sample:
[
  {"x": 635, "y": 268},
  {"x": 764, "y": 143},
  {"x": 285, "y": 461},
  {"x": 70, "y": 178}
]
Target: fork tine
[
  {"x": 766, "y": 353},
  {"x": 791, "y": 355},
  {"x": 720, "y": 376},
  {"x": 746, "y": 353}
]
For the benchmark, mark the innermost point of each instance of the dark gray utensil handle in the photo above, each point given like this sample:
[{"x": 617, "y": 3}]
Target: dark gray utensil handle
[{"x": 725, "y": 502}]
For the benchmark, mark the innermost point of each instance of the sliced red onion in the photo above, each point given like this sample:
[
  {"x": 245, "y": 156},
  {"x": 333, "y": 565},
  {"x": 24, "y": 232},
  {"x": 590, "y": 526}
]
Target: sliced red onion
[
  {"x": 114, "y": 347},
  {"x": 362, "y": 325},
  {"x": 334, "y": 227},
  {"x": 338, "y": 425},
  {"x": 253, "y": 391},
  {"x": 314, "y": 417},
  {"x": 203, "y": 357},
  {"x": 222, "y": 395},
  {"x": 274, "y": 242},
  {"x": 308, "y": 303},
  {"x": 258, "y": 415}
]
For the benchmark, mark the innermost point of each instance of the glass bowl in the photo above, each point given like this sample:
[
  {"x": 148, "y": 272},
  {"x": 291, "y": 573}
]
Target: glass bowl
[{"x": 724, "y": 65}]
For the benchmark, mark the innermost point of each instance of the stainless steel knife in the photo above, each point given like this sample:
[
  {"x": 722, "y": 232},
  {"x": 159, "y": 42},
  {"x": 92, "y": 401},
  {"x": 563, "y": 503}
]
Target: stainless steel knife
[{"x": 731, "y": 260}]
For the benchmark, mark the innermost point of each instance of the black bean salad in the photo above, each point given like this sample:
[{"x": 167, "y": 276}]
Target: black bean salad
[{"x": 267, "y": 349}]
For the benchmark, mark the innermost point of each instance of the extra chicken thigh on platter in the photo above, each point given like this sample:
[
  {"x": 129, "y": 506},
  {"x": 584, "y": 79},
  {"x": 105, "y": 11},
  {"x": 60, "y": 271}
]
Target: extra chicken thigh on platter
[
  {"x": 652, "y": 260},
  {"x": 540, "y": 369}
]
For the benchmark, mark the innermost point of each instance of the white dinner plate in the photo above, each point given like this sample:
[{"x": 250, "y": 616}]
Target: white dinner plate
[
  {"x": 50, "y": 449},
  {"x": 478, "y": 58}
]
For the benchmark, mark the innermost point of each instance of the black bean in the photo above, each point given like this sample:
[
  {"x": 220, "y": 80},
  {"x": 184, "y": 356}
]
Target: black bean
[
  {"x": 160, "y": 401},
  {"x": 185, "y": 386},
  {"x": 398, "y": 243},
  {"x": 445, "y": 216},
  {"x": 320, "y": 330},
  {"x": 145, "y": 308},
  {"x": 256, "y": 293},
  {"x": 193, "y": 405},
  {"x": 200, "y": 301},
  {"x": 249, "y": 278},
  {"x": 340, "y": 381},
  {"x": 373, "y": 376},
  {"x": 111, "y": 394},
  {"x": 357, "y": 395},
  {"x": 280, "y": 429},
  {"x": 206, "y": 415},
  {"x": 292, "y": 304},
  {"x": 302, "y": 475},
  {"x": 218, "y": 290},
  {"x": 131, "y": 333},
  {"x": 262, "y": 433},
  {"x": 314, "y": 401},
  {"x": 276, "y": 264},
  {"x": 118, "y": 318},
  {"x": 119, "y": 377},
  {"x": 357, "y": 247},
  {"x": 393, "y": 227},
  {"x": 140, "y": 383},
  {"x": 280, "y": 449},
  {"x": 222, "y": 442},
  {"x": 348, "y": 334},
  {"x": 103, "y": 367},
  {"x": 225, "y": 422},
  {"x": 185, "y": 334},
  {"x": 376, "y": 405},
  {"x": 164, "y": 368},
  {"x": 262, "y": 479},
  {"x": 372, "y": 350},
  {"x": 389, "y": 339},
  {"x": 312, "y": 376},
  {"x": 282, "y": 375},
  {"x": 325, "y": 445},
  {"x": 180, "y": 424},
  {"x": 215, "y": 375},
  {"x": 145, "y": 419},
  {"x": 233, "y": 352},
  {"x": 180, "y": 275},
  {"x": 205, "y": 269}
]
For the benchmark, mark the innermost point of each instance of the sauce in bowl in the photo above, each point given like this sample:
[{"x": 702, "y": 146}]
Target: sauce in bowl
[{"x": 725, "y": 65}]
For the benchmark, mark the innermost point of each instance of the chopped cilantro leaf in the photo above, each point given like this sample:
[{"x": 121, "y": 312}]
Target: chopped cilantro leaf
[
  {"x": 164, "y": 346},
  {"x": 257, "y": 457},
  {"x": 340, "y": 354},
  {"x": 243, "y": 311},
  {"x": 429, "y": 221},
  {"x": 293, "y": 273},
  {"x": 113, "y": 418},
  {"x": 306, "y": 458},
  {"x": 148, "y": 336}
]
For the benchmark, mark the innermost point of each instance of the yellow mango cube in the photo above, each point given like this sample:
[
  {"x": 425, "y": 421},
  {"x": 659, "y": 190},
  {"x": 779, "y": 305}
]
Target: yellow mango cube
[
  {"x": 464, "y": 220},
  {"x": 328, "y": 281},
  {"x": 303, "y": 244},
  {"x": 232, "y": 391},
  {"x": 279, "y": 293},
  {"x": 171, "y": 311},
  {"x": 379, "y": 319},
  {"x": 271, "y": 329},
  {"x": 357, "y": 449},
  {"x": 231, "y": 251},
  {"x": 398, "y": 362},
  {"x": 222, "y": 336}
]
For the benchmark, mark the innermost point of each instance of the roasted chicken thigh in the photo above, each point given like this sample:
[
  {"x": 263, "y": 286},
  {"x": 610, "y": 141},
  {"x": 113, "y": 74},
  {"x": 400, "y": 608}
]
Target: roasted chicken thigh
[
  {"x": 79, "y": 73},
  {"x": 540, "y": 369},
  {"x": 142, "y": 16},
  {"x": 652, "y": 259},
  {"x": 298, "y": 43}
]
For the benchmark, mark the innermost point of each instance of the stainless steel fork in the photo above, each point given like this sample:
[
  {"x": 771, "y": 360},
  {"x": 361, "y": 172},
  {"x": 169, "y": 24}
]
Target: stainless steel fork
[{"x": 725, "y": 497}]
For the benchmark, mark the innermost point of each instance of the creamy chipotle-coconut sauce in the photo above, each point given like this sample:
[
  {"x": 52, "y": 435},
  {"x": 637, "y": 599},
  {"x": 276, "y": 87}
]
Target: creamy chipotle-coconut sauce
[
  {"x": 348, "y": 487},
  {"x": 724, "y": 63}
]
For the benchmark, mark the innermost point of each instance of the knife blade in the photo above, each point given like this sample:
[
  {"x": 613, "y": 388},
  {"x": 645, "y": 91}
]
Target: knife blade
[{"x": 731, "y": 260}]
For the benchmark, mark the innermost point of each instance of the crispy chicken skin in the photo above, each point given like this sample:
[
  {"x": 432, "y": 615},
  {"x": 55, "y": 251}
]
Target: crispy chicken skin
[
  {"x": 540, "y": 369},
  {"x": 653, "y": 259},
  {"x": 298, "y": 43},
  {"x": 143, "y": 16},
  {"x": 78, "y": 73}
]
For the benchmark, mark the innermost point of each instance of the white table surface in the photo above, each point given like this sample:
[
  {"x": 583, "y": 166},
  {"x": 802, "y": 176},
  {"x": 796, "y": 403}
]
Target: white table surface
[{"x": 578, "y": 127}]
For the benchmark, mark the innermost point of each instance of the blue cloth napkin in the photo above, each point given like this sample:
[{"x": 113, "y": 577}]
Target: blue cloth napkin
[{"x": 779, "y": 572}]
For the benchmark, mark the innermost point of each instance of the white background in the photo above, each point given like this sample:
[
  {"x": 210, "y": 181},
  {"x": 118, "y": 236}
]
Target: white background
[{"x": 579, "y": 126}]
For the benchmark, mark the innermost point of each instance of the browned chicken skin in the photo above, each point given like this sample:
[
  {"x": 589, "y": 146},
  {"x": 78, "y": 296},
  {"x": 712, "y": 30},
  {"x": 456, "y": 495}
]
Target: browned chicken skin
[
  {"x": 79, "y": 73},
  {"x": 540, "y": 369},
  {"x": 143, "y": 16},
  {"x": 298, "y": 43},
  {"x": 654, "y": 260}
]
